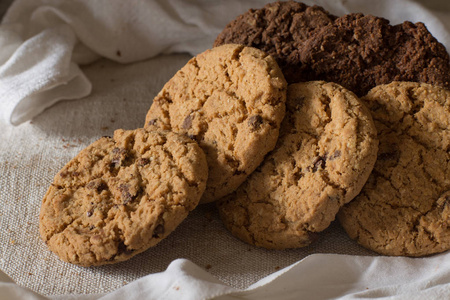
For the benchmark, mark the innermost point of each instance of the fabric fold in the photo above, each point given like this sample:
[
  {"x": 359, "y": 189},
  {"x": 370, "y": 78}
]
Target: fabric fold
[
  {"x": 317, "y": 277},
  {"x": 39, "y": 73}
]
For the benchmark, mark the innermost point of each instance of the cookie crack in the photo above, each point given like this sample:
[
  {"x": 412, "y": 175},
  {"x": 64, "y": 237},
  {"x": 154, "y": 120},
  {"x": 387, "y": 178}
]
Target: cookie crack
[{"x": 179, "y": 173}]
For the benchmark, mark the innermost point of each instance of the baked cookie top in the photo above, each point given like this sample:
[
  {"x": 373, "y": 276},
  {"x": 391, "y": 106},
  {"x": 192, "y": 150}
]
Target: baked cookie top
[
  {"x": 122, "y": 195},
  {"x": 279, "y": 29},
  {"x": 231, "y": 100},
  {"x": 404, "y": 207},
  {"x": 326, "y": 150},
  {"x": 356, "y": 51}
]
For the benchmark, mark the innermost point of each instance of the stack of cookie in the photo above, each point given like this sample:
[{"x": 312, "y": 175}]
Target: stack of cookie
[
  {"x": 281, "y": 157},
  {"x": 328, "y": 144},
  {"x": 206, "y": 131}
]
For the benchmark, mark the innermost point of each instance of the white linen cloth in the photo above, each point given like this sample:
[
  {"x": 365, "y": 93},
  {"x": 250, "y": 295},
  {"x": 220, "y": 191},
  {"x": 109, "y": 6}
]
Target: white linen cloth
[
  {"x": 42, "y": 42},
  {"x": 317, "y": 277}
]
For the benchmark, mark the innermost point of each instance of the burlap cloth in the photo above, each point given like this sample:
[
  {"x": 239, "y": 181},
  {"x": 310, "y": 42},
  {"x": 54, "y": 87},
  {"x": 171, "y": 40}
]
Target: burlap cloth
[{"x": 31, "y": 154}]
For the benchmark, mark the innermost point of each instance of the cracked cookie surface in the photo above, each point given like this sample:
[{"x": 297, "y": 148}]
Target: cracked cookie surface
[
  {"x": 326, "y": 150},
  {"x": 231, "y": 100},
  {"x": 404, "y": 207},
  {"x": 122, "y": 195}
]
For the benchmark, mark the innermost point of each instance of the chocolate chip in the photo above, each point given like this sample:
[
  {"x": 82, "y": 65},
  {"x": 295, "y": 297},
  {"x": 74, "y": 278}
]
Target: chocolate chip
[
  {"x": 254, "y": 122},
  {"x": 64, "y": 174},
  {"x": 143, "y": 161},
  {"x": 97, "y": 185},
  {"x": 159, "y": 230},
  {"x": 90, "y": 212},
  {"x": 152, "y": 122},
  {"x": 187, "y": 123},
  {"x": 336, "y": 154},
  {"x": 118, "y": 150},
  {"x": 318, "y": 163},
  {"x": 119, "y": 154},
  {"x": 126, "y": 196}
]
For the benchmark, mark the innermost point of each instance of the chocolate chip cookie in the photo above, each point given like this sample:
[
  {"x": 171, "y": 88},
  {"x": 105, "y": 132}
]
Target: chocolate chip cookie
[
  {"x": 231, "y": 100},
  {"x": 404, "y": 208},
  {"x": 357, "y": 51},
  {"x": 279, "y": 29},
  {"x": 122, "y": 195},
  {"x": 326, "y": 151}
]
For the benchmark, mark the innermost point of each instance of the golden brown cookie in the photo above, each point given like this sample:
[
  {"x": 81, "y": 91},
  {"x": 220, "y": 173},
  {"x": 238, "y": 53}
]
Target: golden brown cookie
[
  {"x": 122, "y": 195},
  {"x": 404, "y": 208},
  {"x": 326, "y": 150},
  {"x": 231, "y": 100}
]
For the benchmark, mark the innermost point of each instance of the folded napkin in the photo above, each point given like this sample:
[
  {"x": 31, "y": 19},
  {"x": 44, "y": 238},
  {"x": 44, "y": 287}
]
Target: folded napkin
[
  {"x": 43, "y": 42},
  {"x": 319, "y": 276}
]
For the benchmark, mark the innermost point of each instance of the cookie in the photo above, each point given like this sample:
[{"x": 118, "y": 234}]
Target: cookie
[
  {"x": 356, "y": 51},
  {"x": 404, "y": 208},
  {"x": 361, "y": 51},
  {"x": 326, "y": 151},
  {"x": 122, "y": 195},
  {"x": 279, "y": 29},
  {"x": 231, "y": 100}
]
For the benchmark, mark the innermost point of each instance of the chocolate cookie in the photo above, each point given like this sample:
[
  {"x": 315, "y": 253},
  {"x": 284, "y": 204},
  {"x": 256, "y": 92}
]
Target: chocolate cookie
[
  {"x": 360, "y": 52},
  {"x": 326, "y": 150},
  {"x": 357, "y": 51},
  {"x": 404, "y": 208},
  {"x": 122, "y": 195},
  {"x": 231, "y": 100},
  {"x": 279, "y": 29}
]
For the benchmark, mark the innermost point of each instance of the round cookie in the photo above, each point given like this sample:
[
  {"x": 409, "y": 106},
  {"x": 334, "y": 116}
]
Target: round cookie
[
  {"x": 404, "y": 208},
  {"x": 279, "y": 29},
  {"x": 361, "y": 51},
  {"x": 231, "y": 100},
  {"x": 122, "y": 195},
  {"x": 356, "y": 51},
  {"x": 326, "y": 151}
]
